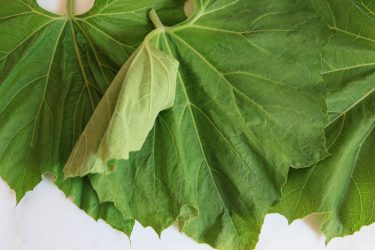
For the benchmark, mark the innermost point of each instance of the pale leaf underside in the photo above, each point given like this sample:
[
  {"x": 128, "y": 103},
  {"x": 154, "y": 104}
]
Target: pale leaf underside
[{"x": 145, "y": 85}]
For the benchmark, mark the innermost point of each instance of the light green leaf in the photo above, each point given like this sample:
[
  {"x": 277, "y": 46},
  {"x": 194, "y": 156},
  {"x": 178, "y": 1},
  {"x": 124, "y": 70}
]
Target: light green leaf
[
  {"x": 53, "y": 72},
  {"x": 145, "y": 85},
  {"x": 250, "y": 103},
  {"x": 341, "y": 187}
]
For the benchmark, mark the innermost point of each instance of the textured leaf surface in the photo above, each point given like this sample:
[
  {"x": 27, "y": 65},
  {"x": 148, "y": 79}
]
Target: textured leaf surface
[
  {"x": 145, "y": 85},
  {"x": 250, "y": 103},
  {"x": 53, "y": 72},
  {"x": 341, "y": 186}
]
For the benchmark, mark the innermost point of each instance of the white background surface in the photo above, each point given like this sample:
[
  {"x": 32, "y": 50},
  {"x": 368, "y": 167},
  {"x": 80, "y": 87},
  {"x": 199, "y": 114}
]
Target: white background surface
[{"x": 46, "y": 220}]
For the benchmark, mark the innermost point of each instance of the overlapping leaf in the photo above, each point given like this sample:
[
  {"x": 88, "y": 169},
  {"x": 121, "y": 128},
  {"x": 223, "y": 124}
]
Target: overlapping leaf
[
  {"x": 145, "y": 85},
  {"x": 250, "y": 103},
  {"x": 53, "y": 72},
  {"x": 341, "y": 186}
]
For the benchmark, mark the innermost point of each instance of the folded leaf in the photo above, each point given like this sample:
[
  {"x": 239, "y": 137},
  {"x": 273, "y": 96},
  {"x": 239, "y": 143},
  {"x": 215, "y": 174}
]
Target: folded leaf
[
  {"x": 121, "y": 122},
  {"x": 250, "y": 103},
  {"x": 341, "y": 186},
  {"x": 53, "y": 72}
]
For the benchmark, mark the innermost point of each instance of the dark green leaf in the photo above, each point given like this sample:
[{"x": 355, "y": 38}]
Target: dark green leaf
[{"x": 250, "y": 103}]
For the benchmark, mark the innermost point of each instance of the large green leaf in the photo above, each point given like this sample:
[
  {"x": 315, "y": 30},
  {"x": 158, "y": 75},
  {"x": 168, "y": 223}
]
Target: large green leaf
[
  {"x": 250, "y": 103},
  {"x": 341, "y": 186},
  {"x": 53, "y": 71},
  {"x": 145, "y": 85}
]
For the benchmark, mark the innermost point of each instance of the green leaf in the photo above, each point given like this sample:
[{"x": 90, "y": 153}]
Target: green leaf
[
  {"x": 53, "y": 72},
  {"x": 341, "y": 187},
  {"x": 145, "y": 85},
  {"x": 250, "y": 103}
]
